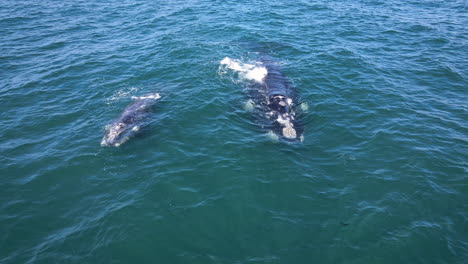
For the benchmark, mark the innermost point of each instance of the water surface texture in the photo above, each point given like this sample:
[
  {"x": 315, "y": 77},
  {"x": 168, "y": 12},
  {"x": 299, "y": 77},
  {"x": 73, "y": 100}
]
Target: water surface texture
[{"x": 381, "y": 176}]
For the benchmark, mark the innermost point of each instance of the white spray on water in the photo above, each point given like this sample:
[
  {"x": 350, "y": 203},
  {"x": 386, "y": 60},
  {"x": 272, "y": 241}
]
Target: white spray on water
[{"x": 247, "y": 71}]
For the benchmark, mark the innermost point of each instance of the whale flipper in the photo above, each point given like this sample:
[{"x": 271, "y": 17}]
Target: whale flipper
[
  {"x": 249, "y": 105},
  {"x": 304, "y": 107}
]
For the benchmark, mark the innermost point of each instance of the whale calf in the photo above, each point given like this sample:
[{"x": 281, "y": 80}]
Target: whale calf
[{"x": 130, "y": 121}]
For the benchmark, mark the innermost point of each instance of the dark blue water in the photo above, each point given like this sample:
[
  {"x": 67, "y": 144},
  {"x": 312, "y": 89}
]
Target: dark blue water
[{"x": 381, "y": 176}]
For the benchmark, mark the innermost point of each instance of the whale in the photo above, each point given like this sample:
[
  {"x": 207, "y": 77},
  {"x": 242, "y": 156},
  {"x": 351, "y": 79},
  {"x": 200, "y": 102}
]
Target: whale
[
  {"x": 275, "y": 99},
  {"x": 130, "y": 121}
]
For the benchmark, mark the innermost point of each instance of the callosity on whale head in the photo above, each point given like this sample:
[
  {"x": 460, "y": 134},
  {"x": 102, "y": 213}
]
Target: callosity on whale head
[
  {"x": 115, "y": 135},
  {"x": 283, "y": 116}
]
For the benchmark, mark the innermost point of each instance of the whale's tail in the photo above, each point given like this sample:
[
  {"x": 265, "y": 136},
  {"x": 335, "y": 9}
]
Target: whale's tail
[{"x": 154, "y": 96}]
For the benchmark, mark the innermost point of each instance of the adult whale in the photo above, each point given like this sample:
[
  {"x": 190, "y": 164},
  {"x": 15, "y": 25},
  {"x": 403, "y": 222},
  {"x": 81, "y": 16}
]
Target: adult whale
[
  {"x": 130, "y": 121},
  {"x": 275, "y": 98},
  {"x": 279, "y": 102}
]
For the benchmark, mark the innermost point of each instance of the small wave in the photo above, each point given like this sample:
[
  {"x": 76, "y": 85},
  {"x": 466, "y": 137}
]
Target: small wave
[{"x": 247, "y": 71}]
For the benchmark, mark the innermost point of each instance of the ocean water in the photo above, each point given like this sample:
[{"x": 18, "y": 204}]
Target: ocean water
[{"x": 381, "y": 176}]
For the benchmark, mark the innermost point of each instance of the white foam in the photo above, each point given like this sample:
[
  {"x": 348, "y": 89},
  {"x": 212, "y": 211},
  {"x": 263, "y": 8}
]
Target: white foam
[
  {"x": 150, "y": 96},
  {"x": 121, "y": 94},
  {"x": 246, "y": 70},
  {"x": 257, "y": 74}
]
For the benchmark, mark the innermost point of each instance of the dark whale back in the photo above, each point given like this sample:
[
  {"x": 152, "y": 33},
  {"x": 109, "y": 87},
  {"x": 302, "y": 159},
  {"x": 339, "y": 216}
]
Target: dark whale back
[
  {"x": 277, "y": 88},
  {"x": 275, "y": 81},
  {"x": 136, "y": 111}
]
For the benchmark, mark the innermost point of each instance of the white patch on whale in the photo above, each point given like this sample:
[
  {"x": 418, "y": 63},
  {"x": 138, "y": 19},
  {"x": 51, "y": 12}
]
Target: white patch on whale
[
  {"x": 289, "y": 132},
  {"x": 288, "y": 129}
]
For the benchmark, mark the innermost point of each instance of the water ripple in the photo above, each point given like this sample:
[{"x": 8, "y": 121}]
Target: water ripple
[{"x": 382, "y": 168}]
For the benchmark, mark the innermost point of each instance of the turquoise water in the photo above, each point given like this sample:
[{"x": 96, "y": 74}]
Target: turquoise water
[{"x": 381, "y": 176}]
